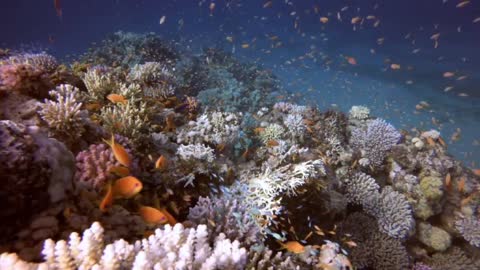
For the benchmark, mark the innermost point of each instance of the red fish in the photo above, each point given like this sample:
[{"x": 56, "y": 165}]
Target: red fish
[{"x": 58, "y": 8}]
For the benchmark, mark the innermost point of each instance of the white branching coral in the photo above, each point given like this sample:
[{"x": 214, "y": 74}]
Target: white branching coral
[
  {"x": 125, "y": 119},
  {"x": 100, "y": 82},
  {"x": 213, "y": 127},
  {"x": 168, "y": 248},
  {"x": 272, "y": 132},
  {"x": 266, "y": 189},
  {"x": 286, "y": 107},
  {"x": 198, "y": 151},
  {"x": 359, "y": 112},
  {"x": 155, "y": 78},
  {"x": 63, "y": 113},
  {"x": 295, "y": 125}
]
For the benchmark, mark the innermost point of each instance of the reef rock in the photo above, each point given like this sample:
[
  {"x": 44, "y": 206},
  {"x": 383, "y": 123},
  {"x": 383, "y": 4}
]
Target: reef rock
[{"x": 36, "y": 172}]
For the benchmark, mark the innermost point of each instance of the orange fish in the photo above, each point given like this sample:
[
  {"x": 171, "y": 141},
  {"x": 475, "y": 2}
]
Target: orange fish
[
  {"x": 259, "y": 130},
  {"x": 351, "y": 60},
  {"x": 93, "y": 106},
  {"x": 152, "y": 215},
  {"x": 245, "y": 154},
  {"x": 323, "y": 19},
  {"x": 58, "y": 8},
  {"x": 119, "y": 152},
  {"x": 119, "y": 171},
  {"x": 245, "y": 45},
  {"x": 170, "y": 123},
  {"x": 448, "y": 74},
  {"x": 356, "y": 20},
  {"x": 461, "y": 185},
  {"x": 448, "y": 181},
  {"x": 161, "y": 164},
  {"x": 116, "y": 98},
  {"x": 272, "y": 143},
  {"x": 107, "y": 201},
  {"x": 395, "y": 66},
  {"x": 292, "y": 246},
  {"x": 171, "y": 220},
  {"x": 126, "y": 187},
  {"x": 476, "y": 172}
]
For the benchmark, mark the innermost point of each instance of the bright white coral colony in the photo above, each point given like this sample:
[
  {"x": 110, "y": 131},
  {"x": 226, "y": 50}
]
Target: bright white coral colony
[{"x": 230, "y": 179}]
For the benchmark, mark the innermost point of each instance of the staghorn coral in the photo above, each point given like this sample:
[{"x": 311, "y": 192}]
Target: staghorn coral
[
  {"x": 272, "y": 132},
  {"x": 469, "y": 228},
  {"x": 296, "y": 126},
  {"x": 195, "y": 152},
  {"x": 374, "y": 142},
  {"x": 93, "y": 166},
  {"x": 168, "y": 248},
  {"x": 154, "y": 78},
  {"x": 63, "y": 115},
  {"x": 394, "y": 214},
  {"x": 359, "y": 112}
]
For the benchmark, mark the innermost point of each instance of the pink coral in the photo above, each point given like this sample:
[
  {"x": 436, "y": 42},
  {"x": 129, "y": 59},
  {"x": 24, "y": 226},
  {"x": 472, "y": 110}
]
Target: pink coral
[{"x": 93, "y": 166}]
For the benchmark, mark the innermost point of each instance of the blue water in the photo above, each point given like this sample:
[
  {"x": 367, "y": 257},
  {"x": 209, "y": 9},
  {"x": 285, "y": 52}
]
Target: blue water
[{"x": 300, "y": 60}]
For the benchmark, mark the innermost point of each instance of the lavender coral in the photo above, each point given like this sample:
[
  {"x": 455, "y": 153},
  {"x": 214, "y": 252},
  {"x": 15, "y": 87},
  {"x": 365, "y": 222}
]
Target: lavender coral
[
  {"x": 469, "y": 228},
  {"x": 374, "y": 142},
  {"x": 394, "y": 214},
  {"x": 361, "y": 189},
  {"x": 93, "y": 166},
  {"x": 170, "y": 248}
]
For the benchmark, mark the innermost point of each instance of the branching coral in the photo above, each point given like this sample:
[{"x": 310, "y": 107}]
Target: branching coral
[
  {"x": 394, "y": 214},
  {"x": 295, "y": 125},
  {"x": 154, "y": 78},
  {"x": 375, "y": 141},
  {"x": 272, "y": 132},
  {"x": 454, "y": 258},
  {"x": 93, "y": 166},
  {"x": 196, "y": 152},
  {"x": 215, "y": 127},
  {"x": 227, "y": 214},
  {"x": 170, "y": 248},
  {"x": 128, "y": 120},
  {"x": 362, "y": 189},
  {"x": 469, "y": 228},
  {"x": 359, "y": 112},
  {"x": 100, "y": 81},
  {"x": 63, "y": 114}
]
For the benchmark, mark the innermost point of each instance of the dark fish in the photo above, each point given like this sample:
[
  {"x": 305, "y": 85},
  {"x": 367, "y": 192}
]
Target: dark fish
[{"x": 58, "y": 8}]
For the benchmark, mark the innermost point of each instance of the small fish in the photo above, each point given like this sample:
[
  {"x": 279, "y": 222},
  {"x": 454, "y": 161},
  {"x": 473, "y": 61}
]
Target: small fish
[
  {"x": 211, "y": 7},
  {"x": 267, "y": 4},
  {"x": 245, "y": 45},
  {"x": 119, "y": 152},
  {"x": 259, "y": 130},
  {"x": 356, "y": 20},
  {"x": 119, "y": 171},
  {"x": 58, "y": 8},
  {"x": 161, "y": 164},
  {"x": 152, "y": 215},
  {"x": 116, "y": 98},
  {"x": 170, "y": 123},
  {"x": 476, "y": 172},
  {"x": 352, "y": 61},
  {"x": 171, "y": 220},
  {"x": 435, "y": 36},
  {"x": 351, "y": 243},
  {"x": 292, "y": 246},
  {"x": 323, "y": 19},
  {"x": 246, "y": 153},
  {"x": 229, "y": 39},
  {"x": 395, "y": 66},
  {"x": 162, "y": 19},
  {"x": 107, "y": 200},
  {"x": 448, "y": 88},
  {"x": 448, "y": 74},
  {"x": 126, "y": 187},
  {"x": 448, "y": 181},
  {"x": 462, "y": 4},
  {"x": 461, "y": 78},
  {"x": 93, "y": 106},
  {"x": 476, "y": 20},
  {"x": 461, "y": 185},
  {"x": 272, "y": 143},
  {"x": 370, "y": 17}
]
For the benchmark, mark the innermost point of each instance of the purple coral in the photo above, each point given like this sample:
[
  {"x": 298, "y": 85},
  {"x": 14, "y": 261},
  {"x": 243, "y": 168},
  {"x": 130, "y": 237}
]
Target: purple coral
[
  {"x": 469, "y": 228},
  {"x": 93, "y": 166},
  {"x": 375, "y": 141}
]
